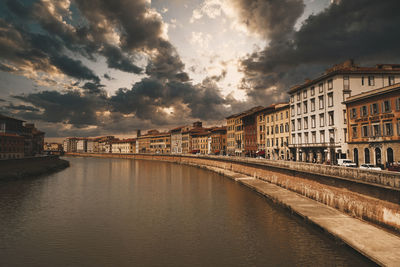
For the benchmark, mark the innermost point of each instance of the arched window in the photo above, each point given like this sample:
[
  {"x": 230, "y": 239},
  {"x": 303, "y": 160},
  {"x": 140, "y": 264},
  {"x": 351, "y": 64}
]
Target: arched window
[
  {"x": 389, "y": 152},
  {"x": 355, "y": 155},
  {"x": 367, "y": 158},
  {"x": 378, "y": 156}
]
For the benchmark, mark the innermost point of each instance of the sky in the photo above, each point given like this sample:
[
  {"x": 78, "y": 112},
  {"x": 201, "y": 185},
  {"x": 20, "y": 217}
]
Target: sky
[{"x": 100, "y": 67}]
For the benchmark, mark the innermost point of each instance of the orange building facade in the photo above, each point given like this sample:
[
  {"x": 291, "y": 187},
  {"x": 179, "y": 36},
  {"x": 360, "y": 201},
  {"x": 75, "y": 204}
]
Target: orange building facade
[{"x": 373, "y": 120}]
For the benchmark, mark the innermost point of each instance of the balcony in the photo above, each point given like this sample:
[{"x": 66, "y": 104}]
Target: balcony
[{"x": 316, "y": 145}]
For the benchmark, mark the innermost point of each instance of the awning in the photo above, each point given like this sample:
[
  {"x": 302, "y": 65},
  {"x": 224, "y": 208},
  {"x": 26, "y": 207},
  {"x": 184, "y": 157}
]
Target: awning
[
  {"x": 195, "y": 151},
  {"x": 262, "y": 152}
]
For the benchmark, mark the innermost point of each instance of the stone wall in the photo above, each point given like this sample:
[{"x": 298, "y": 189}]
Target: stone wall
[{"x": 368, "y": 195}]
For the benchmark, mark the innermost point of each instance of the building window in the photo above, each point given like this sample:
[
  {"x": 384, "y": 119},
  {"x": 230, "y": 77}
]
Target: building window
[
  {"x": 345, "y": 96},
  {"x": 298, "y": 96},
  {"x": 330, "y": 84},
  {"x": 391, "y": 80},
  {"x": 298, "y": 108},
  {"x": 386, "y": 106},
  {"x": 331, "y": 118},
  {"x": 354, "y": 132},
  {"x": 321, "y": 102},
  {"x": 345, "y": 135},
  {"x": 371, "y": 80},
  {"x": 291, "y": 99},
  {"x": 364, "y": 131},
  {"x": 374, "y": 108},
  {"x": 306, "y": 138},
  {"x": 353, "y": 113},
  {"x": 281, "y": 115},
  {"x": 306, "y": 123},
  {"x": 292, "y": 111},
  {"x": 293, "y": 125},
  {"x": 362, "y": 80},
  {"x": 321, "y": 120},
  {"x": 299, "y": 138},
  {"x": 281, "y": 128},
  {"x": 344, "y": 116},
  {"x": 364, "y": 111},
  {"x": 305, "y": 94},
  {"x": 287, "y": 114},
  {"x": 321, "y": 87},
  {"x": 376, "y": 130},
  {"x": 305, "y": 107},
  {"x": 298, "y": 124},
  {"x": 331, "y": 136},
  {"x": 276, "y": 129},
  {"x": 313, "y": 104},
  {"x": 293, "y": 139},
  {"x": 322, "y": 136},
  {"x": 367, "y": 158},
  {"x": 286, "y": 127},
  {"x": 276, "y": 117},
  {"x": 313, "y": 121},
  {"x": 268, "y": 116},
  {"x": 388, "y": 128},
  {"x": 313, "y": 138},
  {"x": 330, "y": 100},
  {"x": 346, "y": 83},
  {"x": 312, "y": 90},
  {"x": 398, "y": 127}
]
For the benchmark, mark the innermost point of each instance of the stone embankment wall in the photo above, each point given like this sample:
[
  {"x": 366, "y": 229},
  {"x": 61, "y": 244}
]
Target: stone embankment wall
[
  {"x": 30, "y": 167},
  {"x": 369, "y": 195}
]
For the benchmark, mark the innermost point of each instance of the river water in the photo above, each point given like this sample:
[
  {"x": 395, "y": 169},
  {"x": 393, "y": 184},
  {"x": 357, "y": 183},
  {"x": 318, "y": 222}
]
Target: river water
[{"x": 119, "y": 212}]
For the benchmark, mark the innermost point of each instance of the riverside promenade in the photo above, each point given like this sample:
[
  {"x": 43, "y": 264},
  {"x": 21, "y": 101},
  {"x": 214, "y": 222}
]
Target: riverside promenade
[{"x": 328, "y": 205}]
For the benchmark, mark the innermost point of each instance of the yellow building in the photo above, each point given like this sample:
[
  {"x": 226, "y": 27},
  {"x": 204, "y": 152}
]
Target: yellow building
[
  {"x": 160, "y": 143},
  {"x": 277, "y": 131},
  {"x": 201, "y": 142}
]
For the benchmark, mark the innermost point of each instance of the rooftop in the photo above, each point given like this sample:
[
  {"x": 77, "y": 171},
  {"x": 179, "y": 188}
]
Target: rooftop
[
  {"x": 372, "y": 93},
  {"x": 348, "y": 67}
]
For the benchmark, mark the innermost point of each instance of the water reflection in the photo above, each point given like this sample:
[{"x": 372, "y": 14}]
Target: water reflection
[{"x": 115, "y": 212}]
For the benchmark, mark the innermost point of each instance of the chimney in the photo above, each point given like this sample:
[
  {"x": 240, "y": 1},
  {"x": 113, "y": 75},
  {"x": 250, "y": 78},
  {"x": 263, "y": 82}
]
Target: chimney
[
  {"x": 197, "y": 124},
  {"x": 138, "y": 133}
]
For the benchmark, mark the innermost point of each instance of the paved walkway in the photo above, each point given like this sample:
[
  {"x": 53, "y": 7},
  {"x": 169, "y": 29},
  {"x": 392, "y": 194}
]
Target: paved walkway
[{"x": 376, "y": 244}]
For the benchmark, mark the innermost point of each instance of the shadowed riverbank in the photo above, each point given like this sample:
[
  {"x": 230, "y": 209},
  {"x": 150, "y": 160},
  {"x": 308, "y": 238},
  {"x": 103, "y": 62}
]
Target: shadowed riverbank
[{"x": 31, "y": 167}]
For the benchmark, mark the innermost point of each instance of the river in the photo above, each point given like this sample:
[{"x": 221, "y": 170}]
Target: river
[{"x": 121, "y": 212}]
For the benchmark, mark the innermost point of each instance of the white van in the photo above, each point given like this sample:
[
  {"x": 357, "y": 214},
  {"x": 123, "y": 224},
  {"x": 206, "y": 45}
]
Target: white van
[{"x": 346, "y": 163}]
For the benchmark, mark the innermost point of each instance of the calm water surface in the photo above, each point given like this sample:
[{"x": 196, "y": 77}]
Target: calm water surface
[{"x": 116, "y": 212}]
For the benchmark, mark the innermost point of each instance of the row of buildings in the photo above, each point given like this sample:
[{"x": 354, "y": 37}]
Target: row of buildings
[
  {"x": 194, "y": 139},
  {"x": 347, "y": 112},
  {"x": 19, "y": 139}
]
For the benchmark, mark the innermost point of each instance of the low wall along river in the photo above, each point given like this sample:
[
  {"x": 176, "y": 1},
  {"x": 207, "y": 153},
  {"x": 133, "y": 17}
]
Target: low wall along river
[{"x": 370, "y": 195}]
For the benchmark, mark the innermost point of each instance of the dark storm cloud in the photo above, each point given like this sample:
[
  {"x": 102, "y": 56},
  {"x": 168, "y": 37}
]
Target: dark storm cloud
[
  {"x": 273, "y": 19},
  {"x": 117, "y": 60},
  {"x": 70, "y": 107},
  {"x": 38, "y": 51},
  {"x": 365, "y": 30},
  {"x": 146, "y": 97},
  {"x": 21, "y": 108}
]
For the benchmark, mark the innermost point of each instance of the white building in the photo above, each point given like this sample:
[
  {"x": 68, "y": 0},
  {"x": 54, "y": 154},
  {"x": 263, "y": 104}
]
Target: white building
[
  {"x": 81, "y": 145},
  {"x": 92, "y": 146},
  {"x": 127, "y": 146},
  {"x": 318, "y": 116},
  {"x": 70, "y": 144}
]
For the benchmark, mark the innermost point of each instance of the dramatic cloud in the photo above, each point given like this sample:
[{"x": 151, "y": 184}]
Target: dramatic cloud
[{"x": 355, "y": 29}]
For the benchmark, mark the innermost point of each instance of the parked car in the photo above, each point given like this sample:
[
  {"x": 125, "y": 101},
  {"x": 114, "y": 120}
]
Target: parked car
[
  {"x": 370, "y": 167},
  {"x": 346, "y": 163}
]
